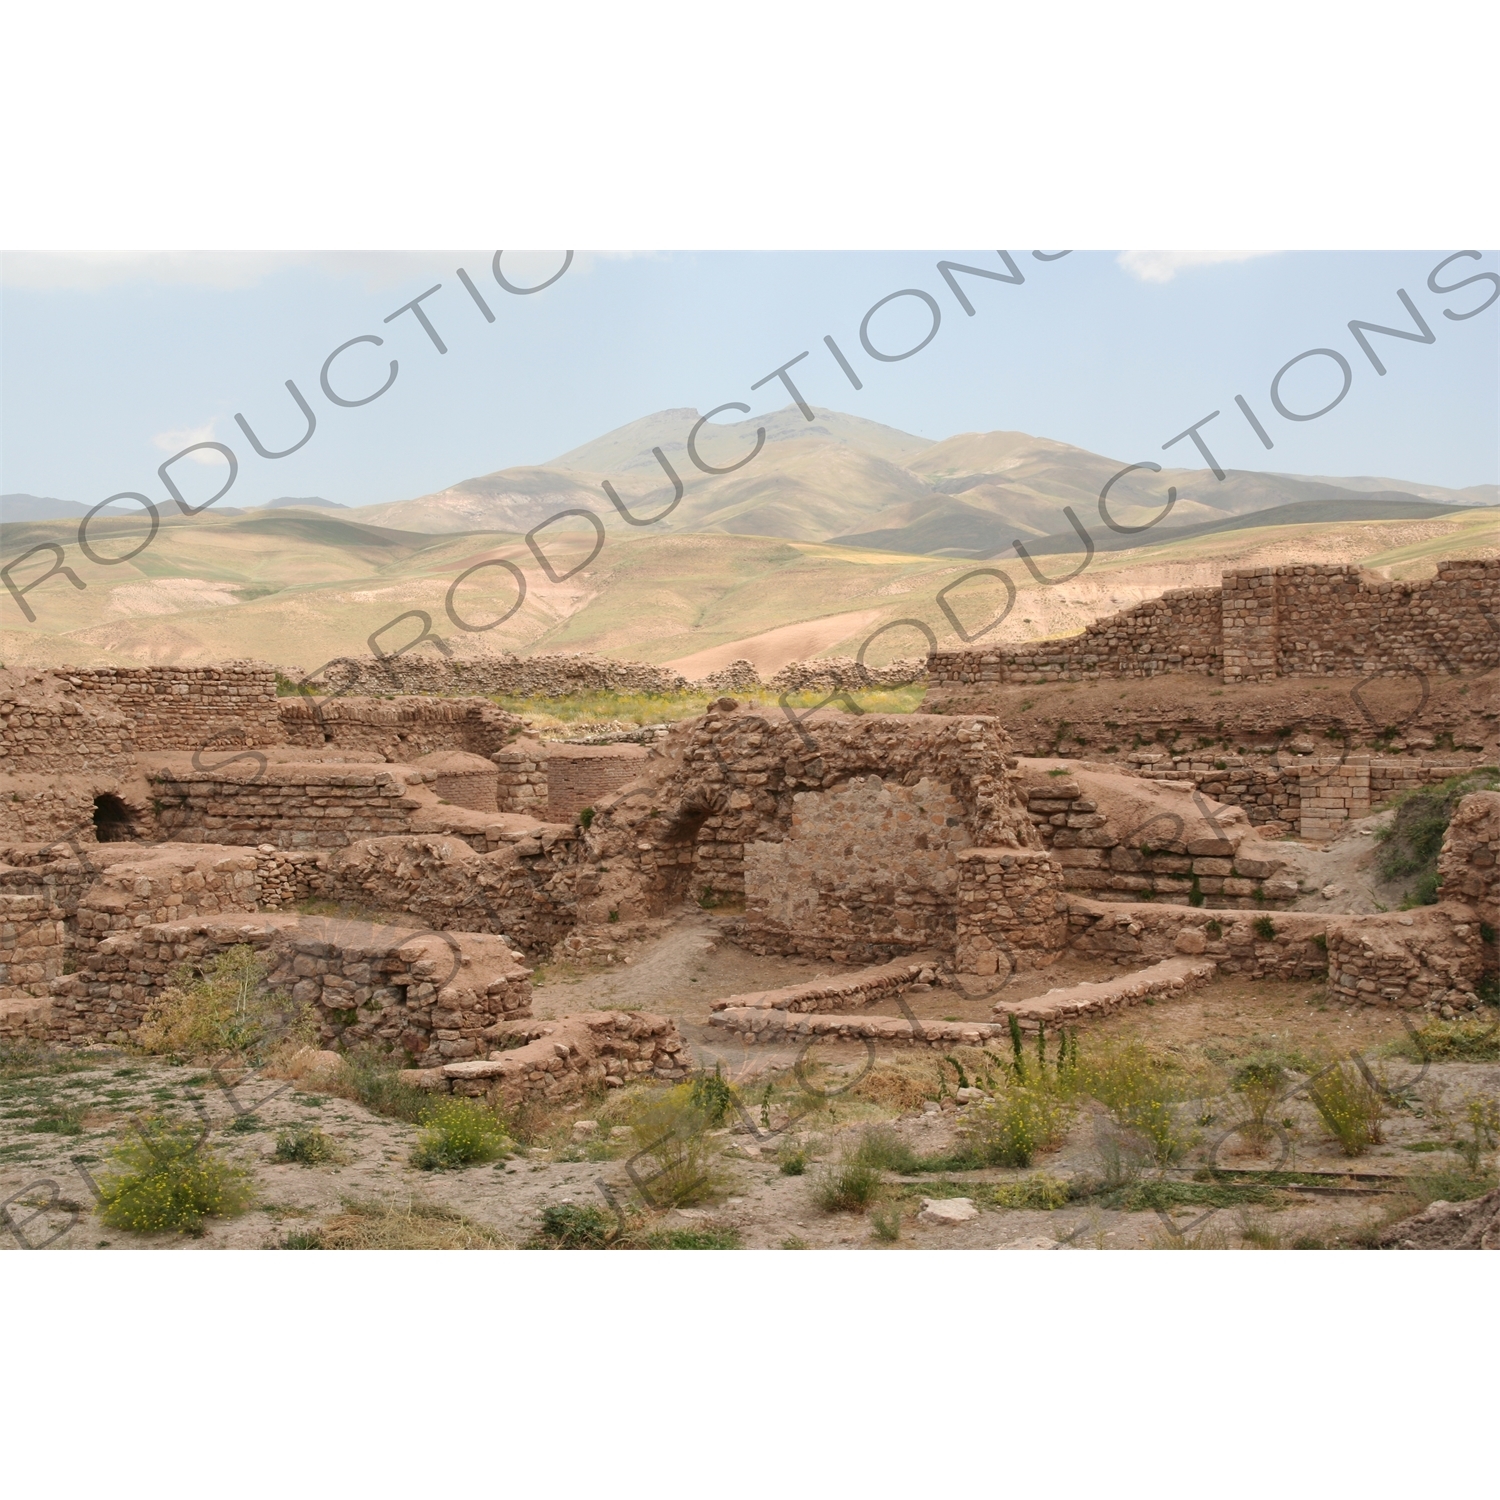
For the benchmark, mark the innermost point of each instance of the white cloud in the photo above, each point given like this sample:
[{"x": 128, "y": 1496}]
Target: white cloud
[
  {"x": 175, "y": 442},
  {"x": 1161, "y": 266}
]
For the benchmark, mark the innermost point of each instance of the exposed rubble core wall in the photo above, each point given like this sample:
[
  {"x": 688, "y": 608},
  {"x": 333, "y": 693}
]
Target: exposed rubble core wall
[
  {"x": 867, "y": 870},
  {"x": 521, "y": 780},
  {"x": 1010, "y": 911},
  {"x": 580, "y": 776},
  {"x": 400, "y": 729},
  {"x": 1297, "y": 620}
]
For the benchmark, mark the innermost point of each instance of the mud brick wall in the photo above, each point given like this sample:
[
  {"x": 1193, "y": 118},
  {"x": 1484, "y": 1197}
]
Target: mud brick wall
[
  {"x": 1010, "y": 916},
  {"x": 183, "y": 708},
  {"x": 866, "y": 871},
  {"x": 292, "y": 807},
  {"x": 1469, "y": 864},
  {"x": 567, "y": 1058},
  {"x": 521, "y": 780},
  {"x": 580, "y": 776},
  {"x": 733, "y": 777},
  {"x": 555, "y": 676},
  {"x": 1298, "y": 620},
  {"x": 401, "y": 728}
]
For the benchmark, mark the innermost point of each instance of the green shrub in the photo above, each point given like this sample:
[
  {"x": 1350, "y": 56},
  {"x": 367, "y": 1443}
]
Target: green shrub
[
  {"x": 575, "y": 1226},
  {"x": 1350, "y": 1106},
  {"x": 163, "y": 1178},
  {"x": 717, "y": 1237},
  {"x": 850, "y": 1187},
  {"x": 1452, "y": 1041},
  {"x": 880, "y": 1147},
  {"x": 885, "y": 1223},
  {"x": 1035, "y": 1191},
  {"x": 673, "y": 1131},
  {"x": 711, "y": 1097},
  {"x": 371, "y": 1078},
  {"x": 794, "y": 1163},
  {"x": 458, "y": 1132},
  {"x": 1139, "y": 1090},
  {"x": 227, "y": 1008},
  {"x": 305, "y": 1144},
  {"x": 1260, "y": 1083},
  {"x": 1482, "y": 1117},
  {"x": 1025, "y": 1120}
]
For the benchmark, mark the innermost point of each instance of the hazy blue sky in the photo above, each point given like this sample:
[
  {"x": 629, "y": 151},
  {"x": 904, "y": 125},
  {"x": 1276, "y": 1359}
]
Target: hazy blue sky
[{"x": 109, "y": 365}]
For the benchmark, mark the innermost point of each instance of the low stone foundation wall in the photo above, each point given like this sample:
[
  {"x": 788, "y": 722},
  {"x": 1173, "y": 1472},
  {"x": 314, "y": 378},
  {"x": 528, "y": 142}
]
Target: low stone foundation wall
[
  {"x": 749, "y": 1026},
  {"x": 1172, "y": 976},
  {"x": 566, "y": 1058},
  {"x": 846, "y": 993}
]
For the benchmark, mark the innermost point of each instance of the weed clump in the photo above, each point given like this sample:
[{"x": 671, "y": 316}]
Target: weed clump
[
  {"x": 850, "y": 1187},
  {"x": 1452, "y": 1041},
  {"x": 1014, "y": 1129},
  {"x": 166, "y": 1177},
  {"x": 1259, "y": 1083},
  {"x": 458, "y": 1132},
  {"x": 673, "y": 1125},
  {"x": 1350, "y": 1105},
  {"x": 304, "y": 1144},
  {"x": 1411, "y": 841},
  {"x": 575, "y": 1226},
  {"x": 1140, "y": 1091},
  {"x": 225, "y": 1009}
]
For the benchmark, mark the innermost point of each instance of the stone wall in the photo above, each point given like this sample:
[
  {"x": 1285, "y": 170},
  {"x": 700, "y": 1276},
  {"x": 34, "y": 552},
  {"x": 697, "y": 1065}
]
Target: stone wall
[
  {"x": 402, "y": 729},
  {"x": 1429, "y": 958},
  {"x": 555, "y": 676},
  {"x": 730, "y": 779},
  {"x": 566, "y": 1058},
  {"x": 433, "y": 997},
  {"x": 1297, "y": 620},
  {"x": 1010, "y": 911},
  {"x": 521, "y": 780},
  {"x": 183, "y": 708},
  {"x": 443, "y": 882},
  {"x": 1469, "y": 864},
  {"x": 290, "y": 806},
  {"x": 580, "y": 776},
  {"x": 867, "y": 870}
]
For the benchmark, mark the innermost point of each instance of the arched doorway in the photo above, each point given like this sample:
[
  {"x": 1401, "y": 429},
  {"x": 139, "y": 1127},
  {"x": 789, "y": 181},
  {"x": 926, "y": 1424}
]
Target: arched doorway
[{"x": 113, "y": 823}]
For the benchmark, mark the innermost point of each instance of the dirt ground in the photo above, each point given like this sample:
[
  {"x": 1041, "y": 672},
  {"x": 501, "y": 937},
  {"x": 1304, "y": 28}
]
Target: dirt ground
[{"x": 47, "y": 1177}]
